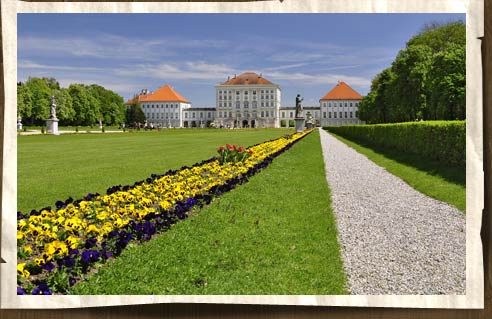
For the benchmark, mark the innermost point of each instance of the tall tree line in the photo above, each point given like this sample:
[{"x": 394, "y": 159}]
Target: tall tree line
[
  {"x": 425, "y": 82},
  {"x": 79, "y": 104}
]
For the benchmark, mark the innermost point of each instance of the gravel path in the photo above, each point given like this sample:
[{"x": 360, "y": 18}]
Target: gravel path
[{"x": 394, "y": 240}]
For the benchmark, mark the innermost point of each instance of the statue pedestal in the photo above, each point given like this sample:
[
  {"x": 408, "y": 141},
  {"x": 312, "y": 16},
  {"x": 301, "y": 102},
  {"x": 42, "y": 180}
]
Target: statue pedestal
[
  {"x": 299, "y": 124},
  {"x": 52, "y": 126}
]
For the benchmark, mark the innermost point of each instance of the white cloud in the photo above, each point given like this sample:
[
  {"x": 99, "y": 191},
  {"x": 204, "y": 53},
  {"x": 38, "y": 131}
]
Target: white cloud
[
  {"x": 179, "y": 71},
  {"x": 109, "y": 46},
  {"x": 295, "y": 57},
  {"x": 285, "y": 67},
  {"x": 27, "y": 64},
  {"x": 317, "y": 79}
]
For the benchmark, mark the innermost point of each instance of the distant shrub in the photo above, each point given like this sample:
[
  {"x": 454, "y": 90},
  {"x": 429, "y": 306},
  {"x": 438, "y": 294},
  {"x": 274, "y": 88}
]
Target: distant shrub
[
  {"x": 443, "y": 141},
  {"x": 42, "y": 129}
]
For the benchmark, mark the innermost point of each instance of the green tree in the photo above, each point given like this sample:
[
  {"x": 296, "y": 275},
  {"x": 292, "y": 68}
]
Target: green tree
[
  {"x": 24, "y": 101},
  {"x": 426, "y": 80},
  {"x": 85, "y": 105},
  {"x": 52, "y": 83},
  {"x": 111, "y": 105},
  {"x": 447, "y": 84},
  {"x": 134, "y": 113},
  {"x": 64, "y": 108},
  {"x": 410, "y": 68},
  {"x": 41, "y": 99},
  {"x": 440, "y": 36}
]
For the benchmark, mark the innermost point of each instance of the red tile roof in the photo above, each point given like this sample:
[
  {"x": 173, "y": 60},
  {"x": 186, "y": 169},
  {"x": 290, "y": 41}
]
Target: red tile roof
[
  {"x": 342, "y": 91},
  {"x": 163, "y": 94},
  {"x": 247, "y": 78}
]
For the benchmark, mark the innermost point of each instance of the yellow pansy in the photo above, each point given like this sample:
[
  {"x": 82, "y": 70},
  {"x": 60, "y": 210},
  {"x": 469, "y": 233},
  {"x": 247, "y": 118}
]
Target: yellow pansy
[
  {"x": 27, "y": 249},
  {"x": 22, "y": 271}
]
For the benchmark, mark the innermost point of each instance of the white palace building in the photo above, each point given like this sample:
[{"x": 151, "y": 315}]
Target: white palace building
[{"x": 246, "y": 100}]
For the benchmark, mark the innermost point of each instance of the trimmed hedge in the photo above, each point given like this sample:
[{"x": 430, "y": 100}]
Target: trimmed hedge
[{"x": 444, "y": 141}]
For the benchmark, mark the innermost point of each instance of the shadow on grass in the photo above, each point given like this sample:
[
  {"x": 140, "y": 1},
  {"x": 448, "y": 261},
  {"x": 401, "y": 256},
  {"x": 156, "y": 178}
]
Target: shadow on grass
[{"x": 451, "y": 173}]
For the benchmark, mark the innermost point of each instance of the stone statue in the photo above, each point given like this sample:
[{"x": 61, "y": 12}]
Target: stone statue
[
  {"x": 53, "y": 108},
  {"x": 298, "y": 106},
  {"x": 19, "y": 123}
]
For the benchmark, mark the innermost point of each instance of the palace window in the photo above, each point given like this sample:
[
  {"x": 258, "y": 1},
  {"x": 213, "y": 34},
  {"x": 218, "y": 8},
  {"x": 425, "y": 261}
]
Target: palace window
[
  {"x": 186, "y": 115},
  {"x": 283, "y": 114},
  {"x": 291, "y": 114},
  {"x": 351, "y": 115},
  {"x": 238, "y": 105},
  {"x": 324, "y": 114},
  {"x": 340, "y": 114},
  {"x": 329, "y": 115},
  {"x": 246, "y": 104},
  {"x": 334, "y": 114},
  {"x": 345, "y": 114},
  {"x": 201, "y": 115},
  {"x": 255, "y": 104},
  {"x": 262, "y": 114}
]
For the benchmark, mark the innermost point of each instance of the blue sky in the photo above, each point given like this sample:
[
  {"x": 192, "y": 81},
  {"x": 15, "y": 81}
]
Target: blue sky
[{"x": 303, "y": 53}]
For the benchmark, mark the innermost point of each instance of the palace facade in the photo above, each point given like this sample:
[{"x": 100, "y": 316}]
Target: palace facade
[{"x": 246, "y": 101}]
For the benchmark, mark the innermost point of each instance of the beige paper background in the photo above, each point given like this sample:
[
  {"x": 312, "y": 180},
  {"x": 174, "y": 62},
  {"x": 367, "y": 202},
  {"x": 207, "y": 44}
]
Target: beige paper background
[{"x": 474, "y": 192}]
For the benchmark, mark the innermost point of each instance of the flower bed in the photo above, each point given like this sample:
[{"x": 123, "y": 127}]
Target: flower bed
[{"x": 58, "y": 247}]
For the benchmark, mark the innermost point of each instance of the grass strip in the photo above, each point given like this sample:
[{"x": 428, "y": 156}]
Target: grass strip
[
  {"x": 443, "y": 182},
  {"x": 274, "y": 235}
]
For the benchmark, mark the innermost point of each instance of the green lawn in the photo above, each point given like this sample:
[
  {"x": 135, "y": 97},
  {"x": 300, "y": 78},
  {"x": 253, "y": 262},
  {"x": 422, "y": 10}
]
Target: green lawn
[
  {"x": 275, "y": 234},
  {"x": 52, "y": 168},
  {"x": 443, "y": 182}
]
